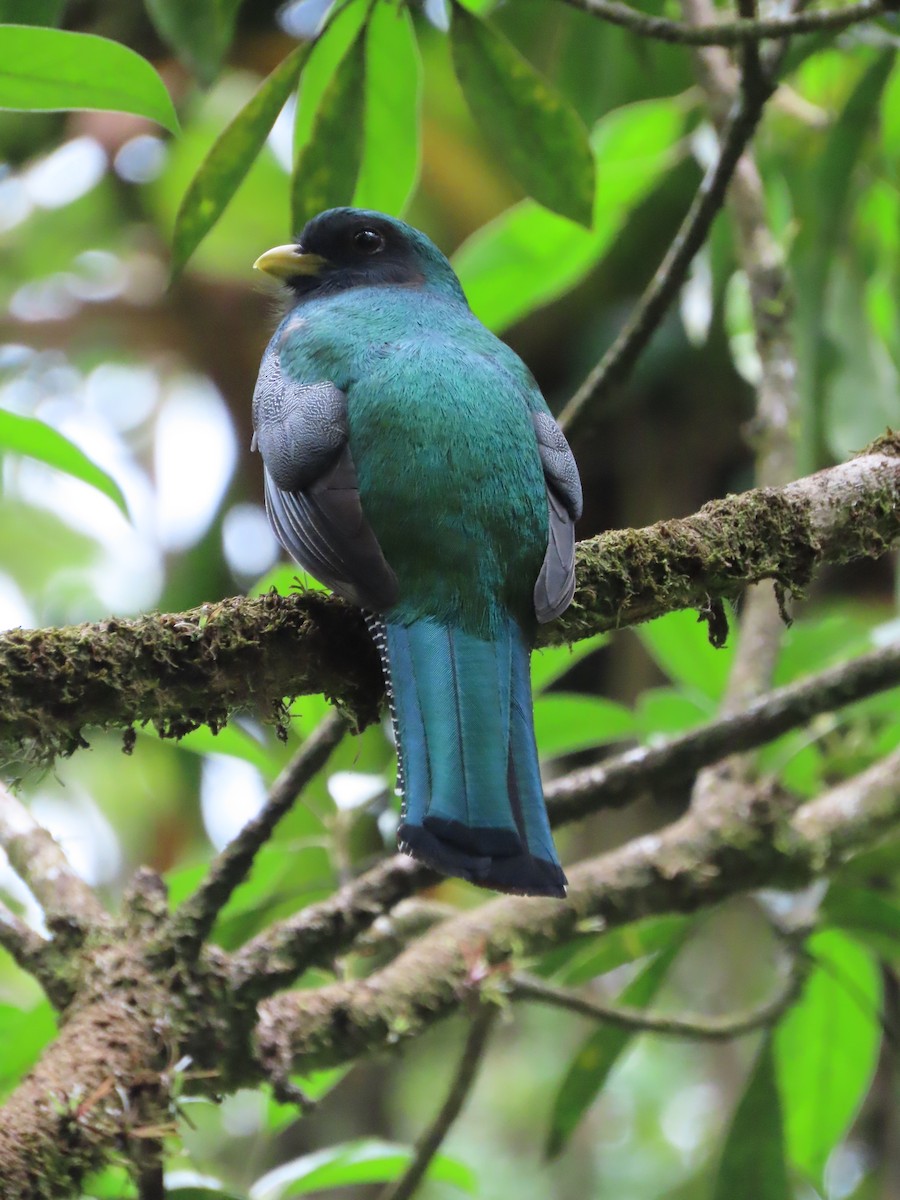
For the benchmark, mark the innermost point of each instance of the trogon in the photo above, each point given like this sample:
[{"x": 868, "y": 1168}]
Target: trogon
[{"x": 412, "y": 465}]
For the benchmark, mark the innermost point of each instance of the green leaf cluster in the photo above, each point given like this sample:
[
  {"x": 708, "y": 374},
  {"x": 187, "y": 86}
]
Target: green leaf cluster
[{"x": 357, "y": 131}]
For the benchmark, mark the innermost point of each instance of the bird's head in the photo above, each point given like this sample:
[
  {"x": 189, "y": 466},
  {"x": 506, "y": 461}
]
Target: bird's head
[{"x": 353, "y": 247}]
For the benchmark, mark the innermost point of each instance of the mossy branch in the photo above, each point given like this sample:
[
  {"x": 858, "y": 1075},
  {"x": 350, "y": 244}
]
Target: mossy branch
[
  {"x": 181, "y": 670},
  {"x": 139, "y": 998},
  {"x": 695, "y": 862}
]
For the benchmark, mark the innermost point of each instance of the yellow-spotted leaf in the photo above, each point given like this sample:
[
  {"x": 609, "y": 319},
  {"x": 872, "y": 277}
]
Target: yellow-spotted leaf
[
  {"x": 327, "y": 167},
  {"x": 532, "y": 129},
  {"x": 231, "y": 157}
]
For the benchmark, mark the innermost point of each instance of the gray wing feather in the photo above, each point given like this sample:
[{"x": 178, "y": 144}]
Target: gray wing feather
[
  {"x": 300, "y": 428},
  {"x": 555, "y": 585},
  {"x": 312, "y": 491}
]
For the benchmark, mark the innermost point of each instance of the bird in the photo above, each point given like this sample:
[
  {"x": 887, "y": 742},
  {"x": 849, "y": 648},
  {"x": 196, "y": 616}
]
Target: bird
[{"x": 413, "y": 466}]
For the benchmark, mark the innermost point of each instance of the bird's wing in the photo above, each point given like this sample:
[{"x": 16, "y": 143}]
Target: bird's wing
[
  {"x": 555, "y": 585},
  {"x": 312, "y": 492}
]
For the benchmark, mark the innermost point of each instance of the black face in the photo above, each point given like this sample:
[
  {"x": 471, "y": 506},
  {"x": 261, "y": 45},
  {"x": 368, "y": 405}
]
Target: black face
[{"x": 359, "y": 248}]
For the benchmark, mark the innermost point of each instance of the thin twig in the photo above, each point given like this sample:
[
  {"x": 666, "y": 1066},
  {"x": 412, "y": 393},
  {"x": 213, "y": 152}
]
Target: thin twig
[
  {"x": 37, "y": 858},
  {"x": 318, "y": 932},
  {"x": 731, "y": 782},
  {"x": 19, "y": 939},
  {"x": 622, "y": 355},
  {"x": 728, "y": 33},
  {"x": 428, "y": 1144},
  {"x": 40, "y": 958},
  {"x": 700, "y": 1028},
  {"x": 195, "y": 918},
  {"x": 833, "y": 819},
  {"x": 689, "y": 865},
  {"x": 613, "y": 783}
]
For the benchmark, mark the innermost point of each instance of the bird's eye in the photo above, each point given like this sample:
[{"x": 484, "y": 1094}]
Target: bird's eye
[{"x": 370, "y": 241}]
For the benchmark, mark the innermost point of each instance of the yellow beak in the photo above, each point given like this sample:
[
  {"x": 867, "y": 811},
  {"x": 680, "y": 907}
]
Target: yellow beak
[{"x": 284, "y": 262}]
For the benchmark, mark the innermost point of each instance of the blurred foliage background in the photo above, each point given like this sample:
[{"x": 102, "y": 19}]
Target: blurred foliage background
[{"x": 152, "y": 381}]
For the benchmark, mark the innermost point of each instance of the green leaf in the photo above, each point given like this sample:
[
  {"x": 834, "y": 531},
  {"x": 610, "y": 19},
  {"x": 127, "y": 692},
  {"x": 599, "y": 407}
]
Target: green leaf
[
  {"x": 23, "y": 1036},
  {"x": 889, "y": 122},
  {"x": 31, "y": 12},
  {"x": 390, "y": 161},
  {"x": 678, "y": 644},
  {"x": 232, "y": 741},
  {"x": 191, "y": 1185},
  {"x": 529, "y": 256},
  {"x": 230, "y": 158},
  {"x": 752, "y": 1166},
  {"x": 820, "y": 642},
  {"x": 822, "y": 231},
  {"x": 47, "y": 70},
  {"x": 112, "y": 1183},
  {"x": 860, "y": 399},
  {"x": 565, "y": 722},
  {"x": 826, "y": 1049},
  {"x": 201, "y": 1193},
  {"x": 623, "y": 945},
  {"x": 327, "y": 167},
  {"x": 27, "y": 435},
  {"x": 665, "y": 710},
  {"x": 315, "y": 1085},
  {"x": 552, "y": 663},
  {"x": 366, "y": 1161},
  {"x": 534, "y": 132},
  {"x": 343, "y": 24},
  {"x": 589, "y": 1069},
  {"x": 872, "y": 917},
  {"x": 199, "y": 31}
]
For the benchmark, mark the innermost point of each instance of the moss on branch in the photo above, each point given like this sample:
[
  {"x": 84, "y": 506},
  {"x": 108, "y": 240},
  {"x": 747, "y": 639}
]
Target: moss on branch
[
  {"x": 697, "y": 861},
  {"x": 179, "y": 671}
]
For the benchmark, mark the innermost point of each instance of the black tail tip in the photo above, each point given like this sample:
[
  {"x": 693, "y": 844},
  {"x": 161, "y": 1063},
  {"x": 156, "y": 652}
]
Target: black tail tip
[{"x": 516, "y": 872}]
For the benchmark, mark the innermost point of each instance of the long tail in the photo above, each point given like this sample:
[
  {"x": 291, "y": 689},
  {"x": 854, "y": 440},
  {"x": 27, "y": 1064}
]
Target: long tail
[{"x": 473, "y": 805}]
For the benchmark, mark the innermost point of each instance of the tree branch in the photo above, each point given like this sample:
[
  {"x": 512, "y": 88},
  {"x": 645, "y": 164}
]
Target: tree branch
[
  {"x": 106, "y": 1073},
  {"x": 728, "y": 33},
  {"x": 693, "y": 863},
  {"x": 432, "y": 1139},
  {"x": 67, "y": 901},
  {"x": 618, "y": 361},
  {"x": 177, "y": 671},
  {"x": 618, "y": 780},
  {"x": 191, "y": 925},
  {"x": 182, "y": 670},
  {"x": 320, "y": 932},
  {"x": 29, "y": 949},
  {"x": 628, "y": 576},
  {"x": 694, "y": 1026},
  {"x": 97, "y": 1082}
]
